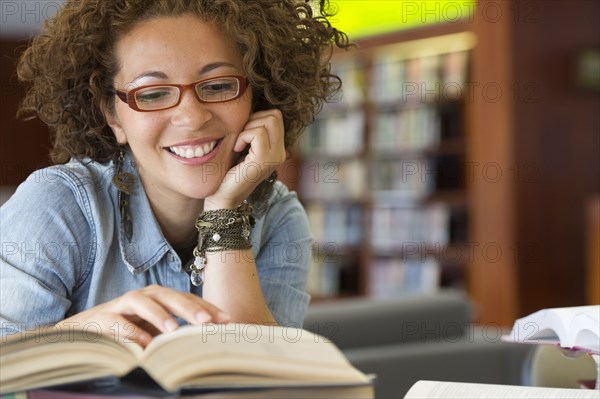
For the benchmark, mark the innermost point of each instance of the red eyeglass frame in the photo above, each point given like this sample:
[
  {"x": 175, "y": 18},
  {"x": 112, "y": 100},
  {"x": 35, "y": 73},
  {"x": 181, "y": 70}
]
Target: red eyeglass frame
[{"x": 129, "y": 96}]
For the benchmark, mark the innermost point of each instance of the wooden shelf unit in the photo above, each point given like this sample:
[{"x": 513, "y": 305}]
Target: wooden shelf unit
[{"x": 377, "y": 178}]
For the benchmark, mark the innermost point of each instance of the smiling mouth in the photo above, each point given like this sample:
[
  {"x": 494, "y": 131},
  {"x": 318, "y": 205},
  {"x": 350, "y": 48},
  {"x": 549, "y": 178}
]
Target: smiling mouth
[{"x": 193, "y": 151}]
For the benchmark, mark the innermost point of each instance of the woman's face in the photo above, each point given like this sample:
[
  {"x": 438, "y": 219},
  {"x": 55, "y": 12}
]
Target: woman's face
[{"x": 179, "y": 50}]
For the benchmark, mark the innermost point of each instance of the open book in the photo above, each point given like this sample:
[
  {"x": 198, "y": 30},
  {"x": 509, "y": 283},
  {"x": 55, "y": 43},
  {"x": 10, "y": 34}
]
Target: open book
[
  {"x": 574, "y": 328},
  {"x": 440, "y": 389},
  {"x": 208, "y": 357}
]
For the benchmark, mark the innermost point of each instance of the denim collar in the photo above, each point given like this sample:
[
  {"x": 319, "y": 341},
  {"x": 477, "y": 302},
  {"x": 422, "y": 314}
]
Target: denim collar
[{"x": 148, "y": 244}]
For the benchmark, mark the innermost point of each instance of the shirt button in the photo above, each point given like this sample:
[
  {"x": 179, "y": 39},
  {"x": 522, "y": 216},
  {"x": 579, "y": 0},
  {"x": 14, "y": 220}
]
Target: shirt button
[{"x": 171, "y": 257}]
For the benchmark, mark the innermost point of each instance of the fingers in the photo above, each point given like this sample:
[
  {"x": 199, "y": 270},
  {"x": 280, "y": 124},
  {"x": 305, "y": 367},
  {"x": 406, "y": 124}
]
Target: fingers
[
  {"x": 264, "y": 132},
  {"x": 189, "y": 307},
  {"x": 138, "y": 303},
  {"x": 259, "y": 123},
  {"x": 263, "y": 136},
  {"x": 131, "y": 329},
  {"x": 272, "y": 118},
  {"x": 121, "y": 328},
  {"x": 262, "y": 151},
  {"x": 139, "y": 315}
]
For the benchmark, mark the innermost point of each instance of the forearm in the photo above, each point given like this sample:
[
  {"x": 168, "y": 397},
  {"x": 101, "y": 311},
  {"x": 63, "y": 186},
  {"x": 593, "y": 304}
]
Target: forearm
[{"x": 232, "y": 283}]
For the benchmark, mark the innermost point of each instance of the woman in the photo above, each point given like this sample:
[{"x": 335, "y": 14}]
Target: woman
[{"x": 170, "y": 117}]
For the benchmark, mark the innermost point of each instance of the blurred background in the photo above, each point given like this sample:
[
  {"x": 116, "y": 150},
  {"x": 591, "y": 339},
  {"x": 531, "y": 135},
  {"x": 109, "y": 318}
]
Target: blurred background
[{"x": 463, "y": 152}]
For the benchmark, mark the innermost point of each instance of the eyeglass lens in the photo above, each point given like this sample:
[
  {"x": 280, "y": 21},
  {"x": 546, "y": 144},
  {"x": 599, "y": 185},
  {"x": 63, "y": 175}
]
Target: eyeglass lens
[{"x": 214, "y": 90}]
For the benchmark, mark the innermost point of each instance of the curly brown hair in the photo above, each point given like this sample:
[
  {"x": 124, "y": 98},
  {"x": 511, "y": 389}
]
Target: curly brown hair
[{"x": 69, "y": 68}]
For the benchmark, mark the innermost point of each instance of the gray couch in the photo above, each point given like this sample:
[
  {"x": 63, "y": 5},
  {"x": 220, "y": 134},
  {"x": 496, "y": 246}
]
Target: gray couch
[{"x": 414, "y": 338}]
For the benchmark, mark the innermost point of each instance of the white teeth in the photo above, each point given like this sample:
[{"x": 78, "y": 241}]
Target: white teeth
[{"x": 193, "y": 151}]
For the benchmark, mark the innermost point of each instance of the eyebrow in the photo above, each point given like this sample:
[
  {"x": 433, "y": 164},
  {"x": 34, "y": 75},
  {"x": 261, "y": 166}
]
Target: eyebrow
[
  {"x": 214, "y": 65},
  {"x": 205, "y": 69}
]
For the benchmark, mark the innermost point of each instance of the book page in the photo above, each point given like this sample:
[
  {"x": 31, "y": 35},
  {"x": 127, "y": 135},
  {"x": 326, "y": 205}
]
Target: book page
[
  {"x": 571, "y": 327},
  {"x": 544, "y": 325},
  {"x": 56, "y": 335},
  {"x": 52, "y": 356},
  {"x": 440, "y": 389},
  {"x": 585, "y": 329},
  {"x": 279, "y": 353}
]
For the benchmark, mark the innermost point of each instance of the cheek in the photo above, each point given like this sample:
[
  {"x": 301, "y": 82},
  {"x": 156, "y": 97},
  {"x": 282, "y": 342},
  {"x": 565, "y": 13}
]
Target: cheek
[
  {"x": 237, "y": 116},
  {"x": 142, "y": 128},
  {"x": 244, "y": 114}
]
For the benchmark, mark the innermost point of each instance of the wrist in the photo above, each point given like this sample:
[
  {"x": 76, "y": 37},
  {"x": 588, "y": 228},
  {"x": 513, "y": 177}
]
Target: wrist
[
  {"x": 220, "y": 230},
  {"x": 216, "y": 204}
]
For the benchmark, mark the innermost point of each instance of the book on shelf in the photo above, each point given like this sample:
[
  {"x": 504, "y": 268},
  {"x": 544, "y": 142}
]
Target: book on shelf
[
  {"x": 398, "y": 130},
  {"x": 395, "y": 228},
  {"x": 324, "y": 279},
  {"x": 403, "y": 180},
  {"x": 437, "y": 77},
  {"x": 325, "y": 271},
  {"x": 395, "y": 277},
  {"x": 337, "y": 133},
  {"x": 333, "y": 270},
  {"x": 192, "y": 359},
  {"x": 351, "y": 72},
  {"x": 333, "y": 180},
  {"x": 387, "y": 77},
  {"x": 442, "y": 389},
  {"x": 335, "y": 225}
]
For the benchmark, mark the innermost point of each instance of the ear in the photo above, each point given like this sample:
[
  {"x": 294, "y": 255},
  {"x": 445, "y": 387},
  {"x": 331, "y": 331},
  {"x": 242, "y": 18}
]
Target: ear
[{"x": 112, "y": 119}]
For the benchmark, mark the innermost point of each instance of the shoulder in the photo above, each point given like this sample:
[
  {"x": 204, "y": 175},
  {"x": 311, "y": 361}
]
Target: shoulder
[
  {"x": 74, "y": 184},
  {"x": 59, "y": 215},
  {"x": 76, "y": 174},
  {"x": 283, "y": 201},
  {"x": 284, "y": 213}
]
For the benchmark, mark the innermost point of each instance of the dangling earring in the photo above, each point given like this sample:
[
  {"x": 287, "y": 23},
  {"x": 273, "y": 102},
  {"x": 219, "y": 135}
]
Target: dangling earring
[{"x": 123, "y": 181}]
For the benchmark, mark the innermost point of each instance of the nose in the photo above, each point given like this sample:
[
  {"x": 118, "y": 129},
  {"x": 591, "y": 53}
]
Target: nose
[{"x": 190, "y": 112}]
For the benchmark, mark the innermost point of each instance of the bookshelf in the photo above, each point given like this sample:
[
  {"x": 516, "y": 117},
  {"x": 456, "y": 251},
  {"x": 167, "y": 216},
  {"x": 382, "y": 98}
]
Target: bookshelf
[{"x": 382, "y": 170}]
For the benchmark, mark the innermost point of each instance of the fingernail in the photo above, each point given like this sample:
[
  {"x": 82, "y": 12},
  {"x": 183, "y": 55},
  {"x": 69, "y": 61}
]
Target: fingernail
[
  {"x": 203, "y": 317},
  {"x": 171, "y": 325},
  {"x": 144, "y": 339}
]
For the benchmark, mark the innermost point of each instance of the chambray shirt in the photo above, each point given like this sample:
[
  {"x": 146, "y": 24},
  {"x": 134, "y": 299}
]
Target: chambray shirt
[{"x": 64, "y": 249}]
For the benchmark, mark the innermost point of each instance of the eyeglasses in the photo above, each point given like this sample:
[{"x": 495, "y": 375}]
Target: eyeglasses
[{"x": 158, "y": 97}]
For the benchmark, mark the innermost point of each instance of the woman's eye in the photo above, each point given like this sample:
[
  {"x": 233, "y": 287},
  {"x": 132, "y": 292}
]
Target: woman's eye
[
  {"x": 218, "y": 87},
  {"x": 153, "y": 95},
  {"x": 218, "y": 90}
]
